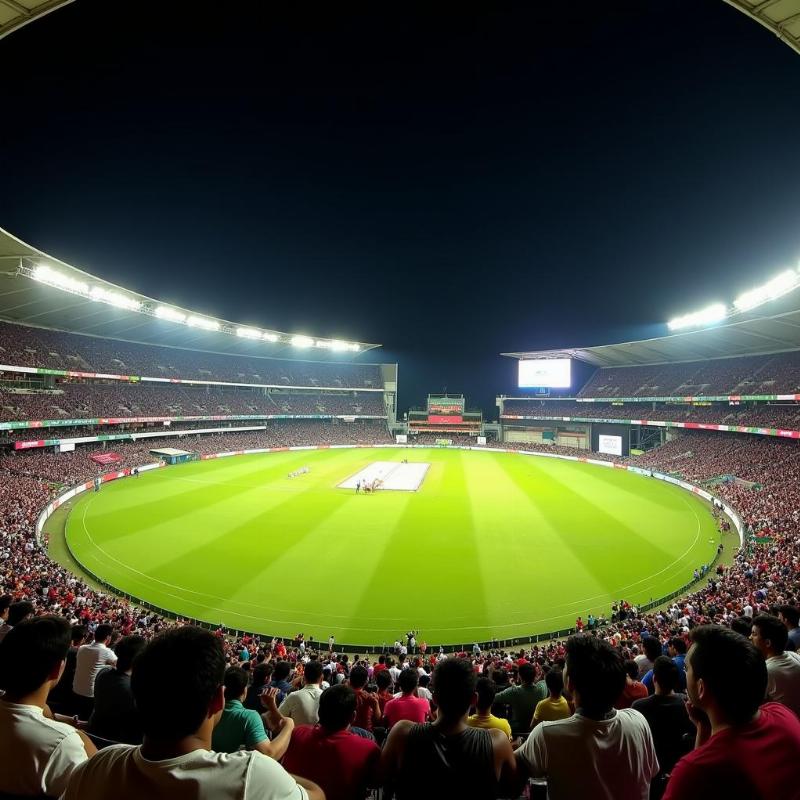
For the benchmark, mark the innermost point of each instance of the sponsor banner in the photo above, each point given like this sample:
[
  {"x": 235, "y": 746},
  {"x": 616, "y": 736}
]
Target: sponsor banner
[
  {"x": 448, "y": 419},
  {"x": 720, "y": 398},
  {"x": 106, "y": 458}
]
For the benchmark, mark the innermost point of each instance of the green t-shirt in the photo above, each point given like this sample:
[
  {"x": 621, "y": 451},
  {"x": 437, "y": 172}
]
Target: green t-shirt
[
  {"x": 238, "y": 726},
  {"x": 523, "y": 700}
]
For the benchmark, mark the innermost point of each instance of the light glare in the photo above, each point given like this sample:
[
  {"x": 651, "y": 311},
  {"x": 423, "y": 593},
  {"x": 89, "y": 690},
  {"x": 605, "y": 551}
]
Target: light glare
[{"x": 699, "y": 319}]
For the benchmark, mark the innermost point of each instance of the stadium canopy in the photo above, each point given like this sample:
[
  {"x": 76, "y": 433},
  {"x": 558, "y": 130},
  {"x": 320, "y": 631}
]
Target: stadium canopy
[
  {"x": 16, "y": 13},
  {"x": 69, "y": 299},
  {"x": 782, "y": 17},
  {"x": 746, "y": 335}
]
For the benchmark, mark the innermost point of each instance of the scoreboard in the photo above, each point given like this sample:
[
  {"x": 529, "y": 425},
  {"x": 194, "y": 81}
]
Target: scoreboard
[{"x": 445, "y": 409}]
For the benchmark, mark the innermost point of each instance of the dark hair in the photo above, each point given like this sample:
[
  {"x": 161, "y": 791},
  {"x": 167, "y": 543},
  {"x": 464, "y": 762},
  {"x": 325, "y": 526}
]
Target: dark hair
[
  {"x": 312, "y": 672},
  {"x": 424, "y": 679},
  {"x": 408, "y": 680},
  {"x": 666, "y": 673},
  {"x": 383, "y": 679},
  {"x": 652, "y": 647},
  {"x": 102, "y": 632},
  {"x": 235, "y": 683},
  {"x": 172, "y": 700},
  {"x": 731, "y": 668},
  {"x": 632, "y": 670},
  {"x": 78, "y": 633},
  {"x": 486, "y": 691},
  {"x": 774, "y": 630},
  {"x": 526, "y": 672},
  {"x": 358, "y": 677},
  {"x": 5, "y": 602},
  {"x": 19, "y": 611},
  {"x": 554, "y": 681},
  {"x": 678, "y": 644},
  {"x": 790, "y": 614},
  {"x": 282, "y": 670},
  {"x": 742, "y": 626},
  {"x": 454, "y": 686},
  {"x": 336, "y": 707},
  {"x": 597, "y": 671},
  {"x": 261, "y": 672},
  {"x": 31, "y": 651},
  {"x": 128, "y": 647}
]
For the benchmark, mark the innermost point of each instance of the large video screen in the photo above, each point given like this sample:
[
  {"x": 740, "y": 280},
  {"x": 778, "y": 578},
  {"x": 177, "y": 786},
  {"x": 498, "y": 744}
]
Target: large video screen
[
  {"x": 545, "y": 373},
  {"x": 611, "y": 445}
]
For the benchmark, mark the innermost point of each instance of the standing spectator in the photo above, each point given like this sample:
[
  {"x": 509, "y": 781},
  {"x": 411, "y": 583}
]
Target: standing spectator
[
  {"x": 634, "y": 689},
  {"x": 555, "y": 705},
  {"x": 38, "y": 753},
  {"x": 523, "y": 699},
  {"x": 280, "y": 680},
  {"x": 447, "y": 758},
  {"x": 384, "y": 682},
  {"x": 741, "y": 751},
  {"x": 114, "y": 716},
  {"x": 408, "y": 706},
  {"x": 261, "y": 676},
  {"x": 343, "y": 764},
  {"x": 783, "y": 667},
  {"x": 483, "y": 717},
  {"x": 790, "y": 617},
  {"x": 652, "y": 650},
  {"x": 62, "y": 692},
  {"x": 598, "y": 752},
  {"x": 17, "y": 612},
  {"x": 302, "y": 706},
  {"x": 179, "y": 708},
  {"x": 368, "y": 709},
  {"x": 668, "y": 719},
  {"x": 90, "y": 660}
]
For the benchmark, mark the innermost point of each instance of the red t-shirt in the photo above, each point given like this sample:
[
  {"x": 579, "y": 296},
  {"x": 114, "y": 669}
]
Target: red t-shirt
[
  {"x": 632, "y": 691},
  {"x": 343, "y": 764},
  {"x": 752, "y": 762},
  {"x": 367, "y": 710},
  {"x": 412, "y": 708}
]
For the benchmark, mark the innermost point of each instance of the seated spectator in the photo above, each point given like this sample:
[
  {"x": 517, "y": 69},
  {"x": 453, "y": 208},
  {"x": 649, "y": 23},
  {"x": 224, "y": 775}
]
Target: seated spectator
[
  {"x": 114, "y": 716},
  {"x": 62, "y": 691},
  {"x": 483, "y": 717},
  {"x": 599, "y": 752},
  {"x": 790, "y": 617},
  {"x": 522, "y": 699},
  {"x": 741, "y": 750},
  {"x": 668, "y": 719},
  {"x": 368, "y": 709},
  {"x": 783, "y": 666},
  {"x": 91, "y": 658},
  {"x": 408, "y": 706},
  {"x": 16, "y": 613},
  {"x": 634, "y": 689},
  {"x": 178, "y": 708},
  {"x": 240, "y": 727},
  {"x": 555, "y": 705},
  {"x": 343, "y": 764},
  {"x": 38, "y": 753},
  {"x": 302, "y": 706},
  {"x": 448, "y": 758}
]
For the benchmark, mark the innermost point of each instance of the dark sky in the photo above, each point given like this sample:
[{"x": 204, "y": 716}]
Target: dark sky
[{"x": 450, "y": 180}]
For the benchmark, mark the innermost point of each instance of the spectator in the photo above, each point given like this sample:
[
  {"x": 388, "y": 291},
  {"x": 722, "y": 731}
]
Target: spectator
[
  {"x": 302, "y": 706},
  {"x": 677, "y": 652},
  {"x": 483, "y": 717},
  {"x": 644, "y": 661},
  {"x": 408, "y": 706},
  {"x": 5, "y": 604},
  {"x": 342, "y": 763},
  {"x": 368, "y": 709},
  {"x": 178, "y": 710},
  {"x": 383, "y": 680},
  {"x": 741, "y": 750},
  {"x": 522, "y": 699},
  {"x": 668, "y": 719},
  {"x": 114, "y": 716},
  {"x": 91, "y": 658},
  {"x": 555, "y": 705},
  {"x": 783, "y": 666},
  {"x": 17, "y": 612},
  {"x": 62, "y": 692},
  {"x": 598, "y": 752},
  {"x": 38, "y": 753},
  {"x": 241, "y": 727},
  {"x": 790, "y": 617},
  {"x": 280, "y": 680},
  {"x": 261, "y": 676},
  {"x": 634, "y": 689},
  {"x": 448, "y": 758}
]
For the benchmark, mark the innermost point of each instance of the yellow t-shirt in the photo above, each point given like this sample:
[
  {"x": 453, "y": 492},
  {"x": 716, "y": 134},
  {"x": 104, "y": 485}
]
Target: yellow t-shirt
[
  {"x": 490, "y": 722},
  {"x": 548, "y": 710}
]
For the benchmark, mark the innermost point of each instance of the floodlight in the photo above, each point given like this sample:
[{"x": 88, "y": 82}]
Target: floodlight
[
  {"x": 777, "y": 287},
  {"x": 102, "y": 295},
  {"x": 324, "y": 343},
  {"x": 45, "y": 274},
  {"x": 203, "y": 322},
  {"x": 699, "y": 319},
  {"x": 337, "y": 344},
  {"x": 299, "y": 340},
  {"x": 248, "y": 333},
  {"x": 355, "y": 347},
  {"x": 171, "y": 314},
  {"x": 271, "y": 337}
]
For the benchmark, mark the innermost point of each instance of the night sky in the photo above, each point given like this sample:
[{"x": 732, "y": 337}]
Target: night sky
[{"x": 452, "y": 182}]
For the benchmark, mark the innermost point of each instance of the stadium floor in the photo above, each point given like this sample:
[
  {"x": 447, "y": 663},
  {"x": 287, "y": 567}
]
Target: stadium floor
[{"x": 493, "y": 545}]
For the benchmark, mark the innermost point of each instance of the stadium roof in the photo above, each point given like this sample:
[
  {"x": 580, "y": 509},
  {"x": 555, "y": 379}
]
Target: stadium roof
[
  {"x": 782, "y": 17},
  {"x": 16, "y": 13},
  {"x": 748, "y": 334},
  {"x": 72, "y": 300}
]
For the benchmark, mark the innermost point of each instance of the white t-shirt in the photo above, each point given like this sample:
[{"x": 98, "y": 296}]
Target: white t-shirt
[
  {"x": 783, "y": 680},
  {"x": 120, "y": 772},
  {"x": 611, "y": 759},
  {"x": 303, "y": 705},
  {"x": 38, "y": 754},
  {"x": 90, "y": 660}
]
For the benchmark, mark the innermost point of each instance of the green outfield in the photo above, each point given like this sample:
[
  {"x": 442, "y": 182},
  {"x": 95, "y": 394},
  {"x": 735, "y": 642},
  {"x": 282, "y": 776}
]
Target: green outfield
[{"x": 493, "y": 545}]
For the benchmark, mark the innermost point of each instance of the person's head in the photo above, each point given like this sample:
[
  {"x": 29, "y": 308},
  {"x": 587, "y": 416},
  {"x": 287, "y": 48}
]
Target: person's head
[
  {"x": 666, "y": 675},
  {"x": 78, "y": 635},
  {"x": 486, "y": 691},
  {"x": 261, "y": 673},
  {"x": 19, "y": 611},
  {"x": 312, "y": 673},
  {"x": 726, "y": 676},
  {"x": 789, "y": 616},
  {"x": 425, "y": 680},
  {"x": 408, "y": 681},
  {"x": 652, "y": 647},
  {"x": 33, "y": 654},
  {"x": 358, "y": 677},
  {"x": 742, "y": 626},
  {"x": 175, "y": 702},
  {"x": 235, "y": 683},
  {"x": 769, "y": 635},
  {"x": 526, "y": 673},
  {"x": 632, "y": 670},
  {"x": 127, "y": 648},
  {"x": 384, "y": 680},
  {"x": 554, "y": 680},
  {"x": 337, "y": 707},
  {"x": 454, "y": 687},
  {"x": 282, "y": 670},
  {"x": 677, "y": 646},
  {"x": 381, "y": 659},
  {"x": 595, "y": 673},
  {"x": 5, "y": 603},
  {"x": 103, "y": 633}
]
